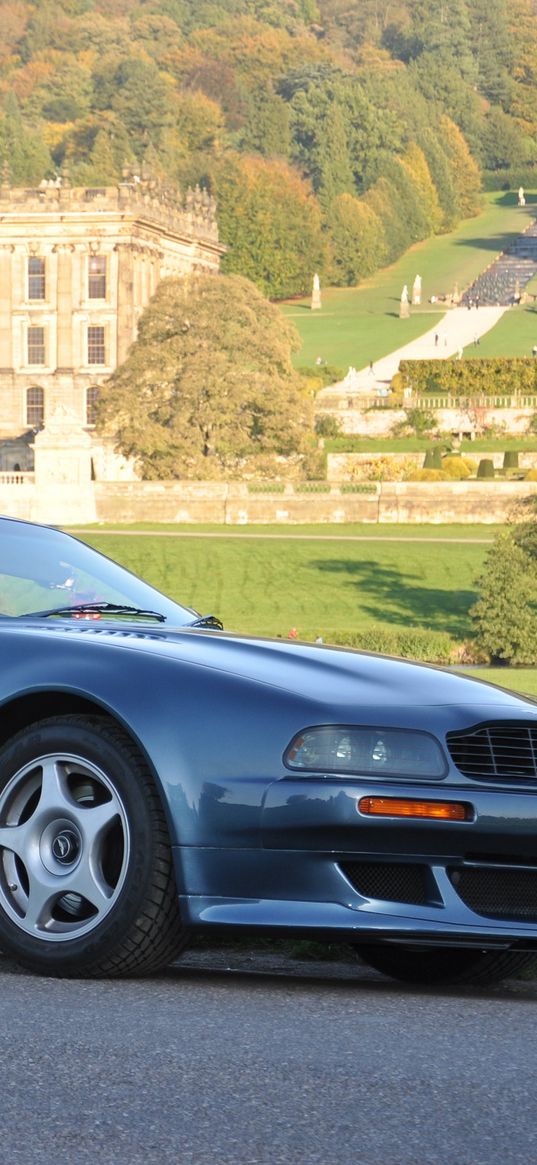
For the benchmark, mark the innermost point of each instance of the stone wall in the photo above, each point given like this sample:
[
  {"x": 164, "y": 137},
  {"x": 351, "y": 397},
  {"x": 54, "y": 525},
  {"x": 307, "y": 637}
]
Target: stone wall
[
  {"x": 378, "y": 420},
  {"x": 232, "y": 504}
]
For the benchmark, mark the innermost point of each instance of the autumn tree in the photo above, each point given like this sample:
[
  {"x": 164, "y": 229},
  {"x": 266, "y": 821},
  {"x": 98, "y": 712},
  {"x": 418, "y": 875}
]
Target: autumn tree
[
  {"x": 271, "y": 222},
  {"x": 208, "y": 383},
  {"x": 357, "y": 240}
]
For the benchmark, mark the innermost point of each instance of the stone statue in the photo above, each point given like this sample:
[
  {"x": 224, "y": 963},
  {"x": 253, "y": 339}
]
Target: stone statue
[
  {"x": 521, "y": 197},
  {"x": 316, "y": 293},
  {"x": 352, "y": 379},
  {"x": 404, "y": 307},
  {"x": 416, "y": 290}
]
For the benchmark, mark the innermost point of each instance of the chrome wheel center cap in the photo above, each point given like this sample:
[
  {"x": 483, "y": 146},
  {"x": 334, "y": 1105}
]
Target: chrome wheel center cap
[{"x": 65, "y": 847}]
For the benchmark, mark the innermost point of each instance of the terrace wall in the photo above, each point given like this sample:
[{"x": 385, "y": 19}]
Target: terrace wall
[{"x": 233, "y": 504}]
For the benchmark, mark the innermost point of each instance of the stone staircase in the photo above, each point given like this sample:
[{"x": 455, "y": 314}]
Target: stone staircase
[{"x": 507, "y": 276}]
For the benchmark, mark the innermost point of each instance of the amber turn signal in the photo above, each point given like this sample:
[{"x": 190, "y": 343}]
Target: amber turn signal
[{"x": 399, "y": 807}]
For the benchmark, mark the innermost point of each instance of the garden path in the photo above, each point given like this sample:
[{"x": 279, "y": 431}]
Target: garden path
[{"x": 459, "y": 328}]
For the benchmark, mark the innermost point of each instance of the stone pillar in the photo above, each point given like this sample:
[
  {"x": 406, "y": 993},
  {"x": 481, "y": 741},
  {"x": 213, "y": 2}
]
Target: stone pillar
[
  {"x": 126, "y": 319},
  {"x": 6, "y": 326},
  {"x": 64, "y": 491},
  {"x": 64, "y": 307}
]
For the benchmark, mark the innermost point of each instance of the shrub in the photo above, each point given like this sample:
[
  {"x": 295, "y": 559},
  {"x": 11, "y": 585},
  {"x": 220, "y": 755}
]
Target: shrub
[
  {"x": 490, "y": 376},
  {"x": 531, "y": 475},
  {"x": 426, "y": 475},
  {"x": 510, "y": 459},
  {"x": 327, "y": 425},
  {"x": 455, "y": 467},
  {"x": 409, "y": 643},
  {"x": 324, "y": 374},
  {"x": 485, "y": 468}
]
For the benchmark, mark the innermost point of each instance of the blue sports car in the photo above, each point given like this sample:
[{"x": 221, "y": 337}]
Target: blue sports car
[{"x": 161, "y": 778}]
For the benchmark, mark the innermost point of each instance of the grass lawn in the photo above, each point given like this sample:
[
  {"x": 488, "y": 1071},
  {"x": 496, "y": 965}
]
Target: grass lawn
[
  {"x": 523, "y": 680},
  {"x": 422, "y": 444},
  {"x": 321, "y": 531},
  {"x": 514, "y": 335},
  {"x": 266, "y": 586},
  {"x": 356, "y": 325}
]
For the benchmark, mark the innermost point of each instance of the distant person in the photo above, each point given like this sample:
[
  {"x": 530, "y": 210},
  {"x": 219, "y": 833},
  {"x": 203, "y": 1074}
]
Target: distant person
[
  {"x": 292, "y": 633},
  {"x": 371, "y": 368},
  {"x": 534, "y": 350},
  {"x": 436, "y": 339}
]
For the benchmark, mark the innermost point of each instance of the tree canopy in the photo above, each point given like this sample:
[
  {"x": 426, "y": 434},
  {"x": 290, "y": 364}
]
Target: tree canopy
[{"x": 208, "y": 383}]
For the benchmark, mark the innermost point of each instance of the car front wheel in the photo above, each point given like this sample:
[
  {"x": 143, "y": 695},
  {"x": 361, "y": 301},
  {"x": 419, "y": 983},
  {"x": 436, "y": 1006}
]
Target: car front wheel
[
  {"x": 436, "y": 966},
  {"x": 86, "y": 877}
]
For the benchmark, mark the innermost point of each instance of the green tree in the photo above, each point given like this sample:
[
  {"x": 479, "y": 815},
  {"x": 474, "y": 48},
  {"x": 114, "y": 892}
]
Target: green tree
[
  {"x": 270, "y": 220},
  {"x": 208, "y": 382},
  {"x": 22, "y": 147},
  {"x": 356, "y": 240},
  {"x": 266, "y": 130},
  {"x": 505, "y": 615}
]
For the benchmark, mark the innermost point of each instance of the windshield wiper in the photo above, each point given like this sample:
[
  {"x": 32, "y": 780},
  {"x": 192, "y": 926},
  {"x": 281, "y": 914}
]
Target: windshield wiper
[
  {"x": 96, "y": 609},
  {"x": 207, "y": 621}
]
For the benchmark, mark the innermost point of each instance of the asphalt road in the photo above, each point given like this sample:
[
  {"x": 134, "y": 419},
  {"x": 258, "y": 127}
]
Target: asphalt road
[{"x": 266, "y": 1063}]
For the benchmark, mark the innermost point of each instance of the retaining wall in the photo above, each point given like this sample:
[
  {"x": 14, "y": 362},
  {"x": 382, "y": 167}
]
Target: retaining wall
[{"x": 232, "y": 504}]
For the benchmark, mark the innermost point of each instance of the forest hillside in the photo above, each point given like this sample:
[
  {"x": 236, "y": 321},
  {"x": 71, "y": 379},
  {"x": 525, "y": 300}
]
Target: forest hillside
[{"x": 334, "y": 133}]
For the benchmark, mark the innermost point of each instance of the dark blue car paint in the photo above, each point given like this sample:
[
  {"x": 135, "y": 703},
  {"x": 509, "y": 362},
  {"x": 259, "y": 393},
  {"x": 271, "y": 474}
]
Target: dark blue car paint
[{"x": 255, "y": 845}]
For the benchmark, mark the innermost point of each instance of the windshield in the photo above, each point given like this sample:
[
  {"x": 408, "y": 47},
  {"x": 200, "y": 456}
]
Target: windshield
[{"x": 42, "y": 569}]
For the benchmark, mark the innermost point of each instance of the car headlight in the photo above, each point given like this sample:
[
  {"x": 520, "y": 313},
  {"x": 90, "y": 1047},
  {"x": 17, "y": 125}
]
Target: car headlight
[{"x": 372, "y": 752}]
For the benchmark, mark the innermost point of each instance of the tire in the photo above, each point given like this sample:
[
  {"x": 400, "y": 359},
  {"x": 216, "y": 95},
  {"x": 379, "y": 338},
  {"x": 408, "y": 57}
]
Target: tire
[
  {"x": 86, "y": 877},
  {"x": 436, "y": 966}
]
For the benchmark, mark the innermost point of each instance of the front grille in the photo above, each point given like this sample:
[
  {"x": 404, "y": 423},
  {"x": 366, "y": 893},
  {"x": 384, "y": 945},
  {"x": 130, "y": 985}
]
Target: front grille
[
  {"x": 496, "y": 752},
  {"x": 498, "y": 893},
  {"x": 392, "y": 881}
]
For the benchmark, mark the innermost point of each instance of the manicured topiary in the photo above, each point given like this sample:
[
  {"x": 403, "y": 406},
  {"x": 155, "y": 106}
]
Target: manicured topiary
[
  {"x": 433, "y": 459},
  {"x": 510, "y": 459},
  {"x": 485, "y": 468}
]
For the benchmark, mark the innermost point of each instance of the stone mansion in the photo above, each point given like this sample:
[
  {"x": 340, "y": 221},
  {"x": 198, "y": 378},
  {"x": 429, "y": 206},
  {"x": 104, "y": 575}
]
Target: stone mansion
[{"x": 77, "y": 268}]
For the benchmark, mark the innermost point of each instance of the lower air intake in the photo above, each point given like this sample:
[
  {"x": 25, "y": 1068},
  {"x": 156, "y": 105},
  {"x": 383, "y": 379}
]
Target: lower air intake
[
  {"x": 498, "y": 893},
  {"x": 391, "y": 881}
]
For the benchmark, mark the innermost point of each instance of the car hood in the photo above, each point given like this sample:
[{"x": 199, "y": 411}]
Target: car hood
[{"x": 315, "y": 672}]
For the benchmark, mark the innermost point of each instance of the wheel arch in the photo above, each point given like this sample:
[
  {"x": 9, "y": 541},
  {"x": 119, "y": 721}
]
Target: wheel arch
[{"x": 27, "y": 708}]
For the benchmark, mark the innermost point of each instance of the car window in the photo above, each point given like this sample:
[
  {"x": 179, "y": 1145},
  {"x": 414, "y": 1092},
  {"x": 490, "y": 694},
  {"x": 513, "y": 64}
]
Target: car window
[{"x": 44, "y": 569}]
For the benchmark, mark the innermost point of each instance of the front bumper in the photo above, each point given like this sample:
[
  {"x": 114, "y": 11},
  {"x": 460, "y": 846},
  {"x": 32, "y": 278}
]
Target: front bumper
[{"x": 472, "y": 883}]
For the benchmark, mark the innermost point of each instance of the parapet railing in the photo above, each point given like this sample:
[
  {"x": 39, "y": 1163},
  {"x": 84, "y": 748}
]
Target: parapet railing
[
  {"x": 16, "y": 478},
  {"x": 428, "y": 401}
]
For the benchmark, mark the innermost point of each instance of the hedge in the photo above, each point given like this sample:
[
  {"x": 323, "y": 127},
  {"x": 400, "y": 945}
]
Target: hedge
[
  {"x": 408, "y": 643},
  {"x": 493, "y": 376}
]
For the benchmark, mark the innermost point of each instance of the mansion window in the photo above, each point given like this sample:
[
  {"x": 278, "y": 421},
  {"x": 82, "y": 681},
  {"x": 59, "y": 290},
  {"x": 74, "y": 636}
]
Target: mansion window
[
  {"x": 96, "y": 345},
  {"x": 36, "y": 278},
  {"x": 36, "y": 346},
  {"x": 35, "y": 407},
  {"x": 97, "y": 277},
  {"x": 92, "y": 395}
]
